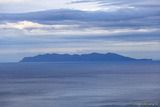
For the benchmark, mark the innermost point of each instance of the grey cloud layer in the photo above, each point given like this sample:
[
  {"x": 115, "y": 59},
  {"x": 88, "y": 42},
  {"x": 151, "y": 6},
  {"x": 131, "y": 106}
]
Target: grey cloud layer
[
  {"x": 139, "y": 17},
  {"x": 139, "y": 24}
]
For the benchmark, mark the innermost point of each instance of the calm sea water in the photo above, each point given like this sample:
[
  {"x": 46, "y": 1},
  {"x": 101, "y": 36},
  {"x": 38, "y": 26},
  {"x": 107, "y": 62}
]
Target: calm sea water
[{"x": 82, "y": 84}]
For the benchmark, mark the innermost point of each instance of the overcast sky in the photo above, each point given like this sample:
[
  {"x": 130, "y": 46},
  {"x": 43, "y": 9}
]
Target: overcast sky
[{"x": 31, "y": 27}]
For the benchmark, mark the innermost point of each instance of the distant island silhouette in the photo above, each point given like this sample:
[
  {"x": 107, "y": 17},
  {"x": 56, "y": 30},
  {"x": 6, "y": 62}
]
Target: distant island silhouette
[{"x": 83, "y": 57}]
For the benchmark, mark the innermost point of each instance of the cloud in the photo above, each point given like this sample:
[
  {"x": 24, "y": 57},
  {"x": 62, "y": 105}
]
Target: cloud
[
  {"x": 121, "y": 18},
  {"x": 119, "y": 2},
  {"x": 76, "y": 23},
  {"x": 65, "y": 14},
  {"x": 114, "y": 5},
  {"x": 23, "y": 28},
  {"x": 20, "y": 25},
  {"x": 14, "y": 6},
  {"x": 21, "y": 6}
]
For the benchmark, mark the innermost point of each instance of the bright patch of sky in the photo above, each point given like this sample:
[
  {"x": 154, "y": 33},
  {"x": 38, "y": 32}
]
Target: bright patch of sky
[{"x": 14, "y": 6}]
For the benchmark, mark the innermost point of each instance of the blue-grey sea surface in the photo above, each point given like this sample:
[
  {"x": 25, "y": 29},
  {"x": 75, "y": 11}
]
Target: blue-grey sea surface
[{"x": 79, "y": 84}]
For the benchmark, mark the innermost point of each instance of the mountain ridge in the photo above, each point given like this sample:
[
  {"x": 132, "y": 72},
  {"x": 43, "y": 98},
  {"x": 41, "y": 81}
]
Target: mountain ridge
[{"x": 80, "y": 57}]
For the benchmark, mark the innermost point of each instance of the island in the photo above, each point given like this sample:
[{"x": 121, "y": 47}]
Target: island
[{"x": 80, "y": 57}]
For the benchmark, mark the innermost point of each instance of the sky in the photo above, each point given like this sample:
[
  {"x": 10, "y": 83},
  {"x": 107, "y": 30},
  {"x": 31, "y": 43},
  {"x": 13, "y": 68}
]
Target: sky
[{"x": 32, "y": 27}]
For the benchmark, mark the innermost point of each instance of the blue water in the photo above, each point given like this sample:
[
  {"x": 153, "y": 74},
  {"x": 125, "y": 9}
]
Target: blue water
[{"x": 82, "y": 84}]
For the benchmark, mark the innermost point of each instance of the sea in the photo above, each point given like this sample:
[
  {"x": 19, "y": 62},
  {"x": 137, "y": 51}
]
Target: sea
[{"x": 80, "y": 84}]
